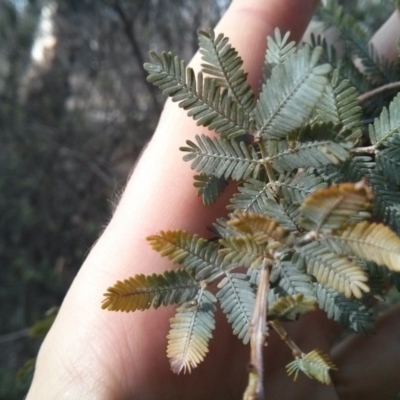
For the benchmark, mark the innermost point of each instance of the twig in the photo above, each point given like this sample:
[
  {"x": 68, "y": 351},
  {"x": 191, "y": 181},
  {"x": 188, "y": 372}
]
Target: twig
[
  {"x": 10, "y": 337},
  {"x": 258, "y": 332},
  {"x": 278, "y": 328},
  {"x": 378, "y": 91},
  {"x": 368, "y": 149}
]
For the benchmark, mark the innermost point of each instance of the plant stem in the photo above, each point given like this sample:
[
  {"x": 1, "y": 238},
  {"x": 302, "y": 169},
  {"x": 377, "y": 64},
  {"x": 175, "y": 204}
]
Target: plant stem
[
  {"x": 258, "y": 331},
  {"x": 10, "y": 337},
  {"x": 378, "y": 91},
  {"x": 278, "y": 328},
  {"x": 270, "y": 173},
  {"x": 368, "y": 149}
]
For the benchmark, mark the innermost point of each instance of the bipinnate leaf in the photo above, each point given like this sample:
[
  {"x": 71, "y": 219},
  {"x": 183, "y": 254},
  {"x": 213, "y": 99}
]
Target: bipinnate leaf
[
  {"x": 223, "y": 63},
  {"x": 278, "y": 49},
  {"x": 209, "y": 187},
  {"x": 221, "y": 228},
  {"x": 387, "y": 199},
  {"x": 347, "y": 312},
  {"x": 222, "y": 158},
  {"x": 141, "y": 292},
  {"x": 198, "y": 256},
  {"x": 203, "y": 98},
  {"x": 291, "y": 307},
  {"x": 355, "y": 169},
  {"x": 347, "y": 69},
  {"x": 315, "y": 365},
  {"x": 263, "y": 229},
  {"x": 191, "y": 330},
  {"x": 251, "y": 196},
  {"x": 237, "y": 296},
  {"x": 244, "y": 251},
  {"x": 309, "y": 146},
  {"x": 329, "y": 209},
  {"x": 285, "y": 214},
  {"x": 293, "y": 278},
  {"x": 295, "y": 189},
  {"x": 386, "y": 125},
  {"x": 339, "y": 104},
  {"x": 337, "y": 272},
  {"x": 369, "y": 241},
  {"x": 388, "y": 159},
  {"x": 356, "y": 39},
  {"x": 287, "y": 99}
]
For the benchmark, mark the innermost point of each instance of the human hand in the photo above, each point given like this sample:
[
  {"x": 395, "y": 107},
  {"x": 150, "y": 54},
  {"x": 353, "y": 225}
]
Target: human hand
[{"x": 90, "y": 353}]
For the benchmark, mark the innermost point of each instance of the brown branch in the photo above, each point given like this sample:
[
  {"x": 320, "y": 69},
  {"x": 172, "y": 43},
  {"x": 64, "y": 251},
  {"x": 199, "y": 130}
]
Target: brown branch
[
  {"x": 378, "y": 91},
  {"x": 258, "y": 332},
  {"x": 278, "y": 328}
]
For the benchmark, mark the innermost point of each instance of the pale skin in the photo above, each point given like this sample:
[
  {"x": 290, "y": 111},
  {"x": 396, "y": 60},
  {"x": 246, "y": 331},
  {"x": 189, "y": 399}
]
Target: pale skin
[{"x": 94, "y": 354}]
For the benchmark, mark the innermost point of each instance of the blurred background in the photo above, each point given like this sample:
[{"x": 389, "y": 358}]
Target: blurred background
[{"x": 75, "y": 112}]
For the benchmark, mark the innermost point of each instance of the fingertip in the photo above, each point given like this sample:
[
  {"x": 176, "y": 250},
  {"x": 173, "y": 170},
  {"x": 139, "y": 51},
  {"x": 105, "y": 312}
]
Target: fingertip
[{"x": 385, "y": 39}]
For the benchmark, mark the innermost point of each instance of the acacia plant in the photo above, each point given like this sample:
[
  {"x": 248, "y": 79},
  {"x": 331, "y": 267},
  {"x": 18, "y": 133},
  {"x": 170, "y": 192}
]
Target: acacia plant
[{"x": 316, "y": 218}]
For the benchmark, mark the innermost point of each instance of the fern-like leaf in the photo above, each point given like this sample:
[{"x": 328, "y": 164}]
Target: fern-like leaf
[
  {"x": 255, "y": 196},
  {"x": 309, "y": 147},
  {"x": 209, "y": 187},
  {"x": 295, "y": 189},
  {"x": 278, "y": 50},
  {"x": 191, "y": 330},
  {"x": 377, "y": 69},
  {"x": 377, "y": 281},
  {"x": 222, "y": 158},
  {"x": 356, "y": 39},
  {"x": 392, "y": 216},
  {"x": 263, "y": 229},
  {"x": 290, "y": 308},
  {"x": 388, "y": 160},
  {"x": 335, "y": 271},
  {"x": 251, "y": 196},
  {"x": 369, "y": 241},
  {"x": 347, "y": 312},
  {"x": 293, "y": 278},
  {"x": 356, "y": 169},
  {"x": 142, "y": 292},
  {"x": 223, "y": 63},
  {"x": 287, "y": 99},
  {"x": 198, "y": 256},
  {"x": 237, "y": 297},
  {"x": 203, "y": 98},
  {"x": 329, "y": 209},
  {"x": 315, "y": 365},
  {"x": 339, "y": 104},
  {"x": 221, "y": 228},
  {"x": 387, "y": 200},
  {"x": 286, "y": 215},
  {"x": 347, "y": 69},
  {"x": 386, "y": 125},
  {"x": 244, "y": 251}
]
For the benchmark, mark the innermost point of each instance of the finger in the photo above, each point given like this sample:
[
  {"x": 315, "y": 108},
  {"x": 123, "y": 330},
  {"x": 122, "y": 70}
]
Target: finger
[
  {"x": 264, "y": 17},
  {"x": 369, "y": 366},
  {"x": 386, "y": 38},
  {"x": 106, "y": 353}
]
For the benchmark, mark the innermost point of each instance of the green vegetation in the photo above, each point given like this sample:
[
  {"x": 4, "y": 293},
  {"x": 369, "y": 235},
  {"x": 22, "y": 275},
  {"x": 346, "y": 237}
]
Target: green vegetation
[{"x": 315, "y": 222}]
